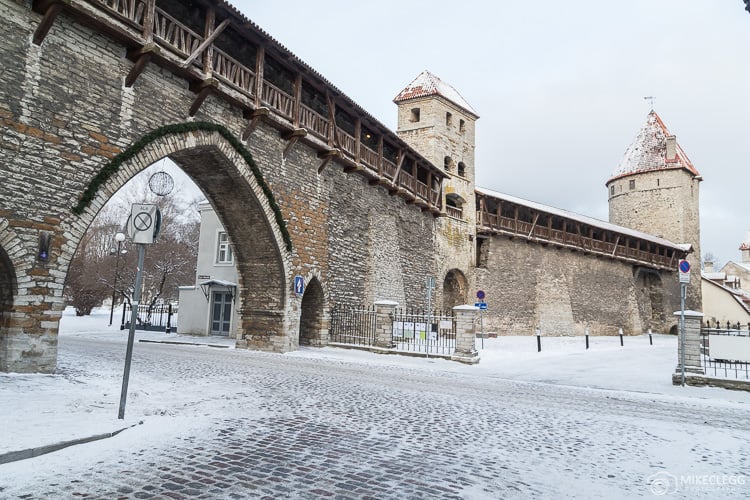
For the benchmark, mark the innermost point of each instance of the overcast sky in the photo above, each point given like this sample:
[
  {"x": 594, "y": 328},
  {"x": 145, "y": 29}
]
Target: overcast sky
[{"x": 558, "y": 85}]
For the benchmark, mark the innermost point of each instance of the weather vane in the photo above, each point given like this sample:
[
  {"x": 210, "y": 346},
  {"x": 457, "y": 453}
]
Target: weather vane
[{"x": 650, "y": 98}]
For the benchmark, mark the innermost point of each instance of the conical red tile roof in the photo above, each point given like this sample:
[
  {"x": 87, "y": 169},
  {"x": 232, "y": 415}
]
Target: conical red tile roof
[
  {"x": 427, "y": 84},
  {"x": 649, "y": 151}
]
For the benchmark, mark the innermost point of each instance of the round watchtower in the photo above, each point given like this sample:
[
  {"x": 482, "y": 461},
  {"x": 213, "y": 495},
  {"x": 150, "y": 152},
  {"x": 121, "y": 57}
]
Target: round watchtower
[{"x": 655, "y": 190}]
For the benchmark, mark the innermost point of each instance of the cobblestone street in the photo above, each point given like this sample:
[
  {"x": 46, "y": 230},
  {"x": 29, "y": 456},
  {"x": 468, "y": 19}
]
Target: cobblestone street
[{"x": 296, "y": 427}]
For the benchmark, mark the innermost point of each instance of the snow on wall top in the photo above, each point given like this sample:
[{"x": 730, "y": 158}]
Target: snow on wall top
[
  {"x": 649, "y": 151},
  {"x": 427, "y": 84}
]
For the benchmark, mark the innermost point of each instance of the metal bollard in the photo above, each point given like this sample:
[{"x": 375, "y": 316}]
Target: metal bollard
[
  {"x": 650, "y": 338},
  {"x": 587, "y": 338},
  {"x": 538, "y": 339},
  {"x": 621, "y": 344}
]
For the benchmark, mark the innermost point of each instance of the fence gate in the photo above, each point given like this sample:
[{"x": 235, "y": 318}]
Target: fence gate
[
  {"x": 726, "y": 351},
  {"x": 353, "y": 325},
  {"x": 154, "y": 318},
  {"x": 430, "y": 332}
]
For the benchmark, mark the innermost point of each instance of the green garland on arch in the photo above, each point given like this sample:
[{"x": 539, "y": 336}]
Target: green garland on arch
[{"x": 178, "y": 128}]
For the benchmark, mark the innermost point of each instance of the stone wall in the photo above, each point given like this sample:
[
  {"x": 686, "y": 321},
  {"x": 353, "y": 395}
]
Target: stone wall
[
  {"x": 65, "y": 112},
  {"x": 563, "y": 292}
]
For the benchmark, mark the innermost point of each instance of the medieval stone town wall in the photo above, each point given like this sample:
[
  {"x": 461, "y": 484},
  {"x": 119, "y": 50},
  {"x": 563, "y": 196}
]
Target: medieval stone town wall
[
  {"x": 563, "y": 292},
  {"x": 64, "y": 113}
]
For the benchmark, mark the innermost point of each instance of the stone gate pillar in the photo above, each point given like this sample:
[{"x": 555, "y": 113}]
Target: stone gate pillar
[
  {"x": 384, "y": 310},
  {"x": 466, "y": 351},
  {"x": 693, "y": 363}
]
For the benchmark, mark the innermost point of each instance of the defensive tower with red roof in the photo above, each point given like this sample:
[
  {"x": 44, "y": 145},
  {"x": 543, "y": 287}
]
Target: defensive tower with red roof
[{"x": 655, "y": 189}]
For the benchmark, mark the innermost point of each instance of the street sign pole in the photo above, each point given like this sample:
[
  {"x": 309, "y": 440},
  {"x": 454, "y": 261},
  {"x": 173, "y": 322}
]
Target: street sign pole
[
  {"x": 683, "y": 290},
  {"x": 131, "y": 333},
  {"x": 430, "y": 285},
  {"x": 684, "y": 275}
]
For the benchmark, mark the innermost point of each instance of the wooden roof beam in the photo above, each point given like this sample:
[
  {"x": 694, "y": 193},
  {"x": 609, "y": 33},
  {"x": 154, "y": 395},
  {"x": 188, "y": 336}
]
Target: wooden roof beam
[
  {"x": 292, "y": 137},
  {"x": 208, "y": 41},
  {"x": 141, "y": 58},
  {"x": 254, "y": 116},
  {"x": 202, "y": 88},
  {"x": 49, "y": 10}
]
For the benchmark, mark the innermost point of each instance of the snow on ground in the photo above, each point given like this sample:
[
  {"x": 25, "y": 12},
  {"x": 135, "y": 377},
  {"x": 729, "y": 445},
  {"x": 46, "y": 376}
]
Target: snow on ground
[{"x": 82, "y": 401}]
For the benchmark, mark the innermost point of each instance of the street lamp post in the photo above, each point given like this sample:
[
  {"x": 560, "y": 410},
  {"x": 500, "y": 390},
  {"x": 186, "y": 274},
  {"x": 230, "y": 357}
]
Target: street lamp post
[{"x": 119, "y": 237}]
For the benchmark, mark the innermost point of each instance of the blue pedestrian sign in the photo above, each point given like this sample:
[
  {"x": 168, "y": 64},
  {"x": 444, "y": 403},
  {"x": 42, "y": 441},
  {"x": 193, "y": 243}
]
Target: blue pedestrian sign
[
  {"x": 299, "y": 285},
  {"x": 481, "y": 305}
]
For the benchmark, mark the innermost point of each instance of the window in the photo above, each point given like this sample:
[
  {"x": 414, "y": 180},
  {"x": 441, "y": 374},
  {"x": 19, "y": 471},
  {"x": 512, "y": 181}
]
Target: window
[
  {"x": 461, "y": 126},
  {"x": 448, "y": 119},
  {"x": 632, "y": 184},
  {"x": 224, "y": 249},
  {"x": 461, "y": 169},
  {"x": 447, "y": 163},
  {"x": 612, "y": 190},
  {"x": 414, "y": 115}
]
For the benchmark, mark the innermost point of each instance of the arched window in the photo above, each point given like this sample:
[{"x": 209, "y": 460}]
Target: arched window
[
  {"x": 461, "y": 169},
  {"x": 447, "y": 162}
]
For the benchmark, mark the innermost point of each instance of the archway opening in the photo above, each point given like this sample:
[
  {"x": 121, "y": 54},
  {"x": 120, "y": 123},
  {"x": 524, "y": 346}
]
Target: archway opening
[
  {"x": 311, "y": 319},
  {"x": 455, "y": 288},
  {"x": 8, "y": 288}
]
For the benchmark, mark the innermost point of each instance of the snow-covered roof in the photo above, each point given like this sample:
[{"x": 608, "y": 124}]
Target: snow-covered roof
[
  {"x": 427, "y": 84},
  {"x": 715, "y": 276},
  {"x": 608, "y": 226},
  {"x": 218, "y": 283},
  {"x": 649, "y": 151}
]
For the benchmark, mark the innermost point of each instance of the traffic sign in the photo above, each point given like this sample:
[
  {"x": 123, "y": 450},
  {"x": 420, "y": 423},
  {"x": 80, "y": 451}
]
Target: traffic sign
[
  {"x": 481, "y": 305},
  {"x": 480, "y": 294},
  {"x": 299, "y": 285},
  {"x": 684, "y": 268},
  {"x": 144, "y": 223}
]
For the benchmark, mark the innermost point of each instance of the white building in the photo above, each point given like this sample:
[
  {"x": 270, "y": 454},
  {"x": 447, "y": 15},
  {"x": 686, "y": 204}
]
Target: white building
[{"x": 207, "y": 307}]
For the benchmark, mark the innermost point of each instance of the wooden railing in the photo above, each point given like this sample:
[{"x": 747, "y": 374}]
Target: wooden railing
[
  {"x": 544, "y": 234},
  {"x": 346, "y": 141},
  {"x": 276, "y": 98},
  {"x": 178, "y": 36},
  {"x": 314, "y": 122},
  {"x": 129, "y": 10},
  {"x": 233, "y": 72},
  {"x": 455, "y": 212},
  {"x": 369, "y": 157},
  {"x": 176, "y": 39}
]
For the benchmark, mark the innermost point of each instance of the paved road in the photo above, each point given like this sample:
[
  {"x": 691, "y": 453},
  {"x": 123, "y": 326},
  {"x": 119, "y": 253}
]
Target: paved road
[{"x": 255, "y": 425}]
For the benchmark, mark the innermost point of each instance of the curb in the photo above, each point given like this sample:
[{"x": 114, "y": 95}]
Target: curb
[
  {"x": 175, "y": 342},
  {"x": 14, "y": 456}
]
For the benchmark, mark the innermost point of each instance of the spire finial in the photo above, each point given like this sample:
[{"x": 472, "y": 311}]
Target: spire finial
[{"x": 652, "y": 99}]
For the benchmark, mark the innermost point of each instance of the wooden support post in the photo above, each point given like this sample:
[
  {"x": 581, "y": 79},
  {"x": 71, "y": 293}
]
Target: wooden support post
[
  {"x": 208, "y": 34},
  {"x": 331, "y": 118},
  {"x": 260, "y": 57},
  {"x": 357, "y": 141},
  {"x": 148, "y": 21},
  {"x": 297, "y": 100}
]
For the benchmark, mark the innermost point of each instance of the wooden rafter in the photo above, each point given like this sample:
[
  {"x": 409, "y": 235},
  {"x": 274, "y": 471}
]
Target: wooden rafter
[
  {"x": 141, "y": 58},
  {"x": 327, "y": 156},
  {"x": 49, "y": 10},
  {"x": 202, "y": 88},
  {"x": 208, "y": 41},
  {"x": 292, "y": 137},
  {"x": 254, "y": 116}
]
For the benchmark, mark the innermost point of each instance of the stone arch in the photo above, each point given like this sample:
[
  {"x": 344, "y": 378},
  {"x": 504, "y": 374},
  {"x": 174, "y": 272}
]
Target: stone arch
[
  {"x": 312, "y": 328},
  {"x": 244, "y": 206},
  {"x": 455, "y": 289}
]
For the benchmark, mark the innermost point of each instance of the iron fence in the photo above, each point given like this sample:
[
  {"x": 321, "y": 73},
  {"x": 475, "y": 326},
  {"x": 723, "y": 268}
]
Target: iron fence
[
  {"x": 155, "y": 318},
  {"x": 725, "y": 352},
  {"x": 430, "y": 332},
  {"x": 353, "y": 325}
]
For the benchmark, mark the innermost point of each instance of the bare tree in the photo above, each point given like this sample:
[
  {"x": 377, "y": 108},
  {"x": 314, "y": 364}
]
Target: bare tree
[
  {"x": 97, "y": 270},
  {"x": 710, "y": 257}
]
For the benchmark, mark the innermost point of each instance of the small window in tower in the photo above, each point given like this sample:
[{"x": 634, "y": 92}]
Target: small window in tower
[
  {"x": 414, "y": 115},
  {"x": 447, "y": 163},
  {"x": 461, "y": 169},
  {"x": 448, "y": 119},
  {"x": 657, "y": 182},
  {"x": 632, "y": 184},
  {"x": 461, "y": 126},
  {"x": 612, "y": 190}
]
